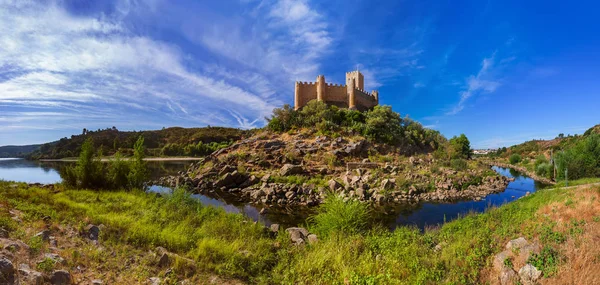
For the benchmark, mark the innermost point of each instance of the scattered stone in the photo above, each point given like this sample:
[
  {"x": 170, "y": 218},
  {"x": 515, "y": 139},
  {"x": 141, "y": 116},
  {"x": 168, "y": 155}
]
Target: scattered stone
[
  {"x": 55, "y": 257},
  {"x": 440, "y": 246},
  {"x": 163, "y": 261},
  {"x": 297, "y": 235},
  {"x": 275, "y": 228},
  {"x": 60, "y": 277},
  {"x": 3, "y": 233},
  {"x": 263, "y": 210},
  {"x": 334, "y": 185},
  {"x": 291, "y": 169},
  {"x": 508, "y": 276},
  {"x": 516, "y": 244},
  {"x": 45, "y": 235},
  {"x": 92, "y": 232},
  {"x": 97, "y": 282},
  {"x": 7, "y": 271},
  {"x": 29, "y": 276},
  {"x": 529, "y": 274},
  {"x": 312, "y": 238},
  {"x": 154, "y": 281}
]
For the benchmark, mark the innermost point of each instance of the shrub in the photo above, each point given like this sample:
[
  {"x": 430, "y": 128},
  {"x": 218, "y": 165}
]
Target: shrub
[
  {"x": 544, "y": 170},
  {"x": 335, "y": 215},
  {"x": 515, "y": 158},
  {"x": 581, "y": 160},
  {"x": 118, "y": 171},
  {"x": 459, "y": 164}
]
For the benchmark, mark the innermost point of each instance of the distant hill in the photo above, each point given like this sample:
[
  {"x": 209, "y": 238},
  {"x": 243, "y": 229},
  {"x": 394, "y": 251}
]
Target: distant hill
[
  {"x": 535, "y": 147},
  {"x": 173, "y": 141},
  {"x": 17, "y": 150}
]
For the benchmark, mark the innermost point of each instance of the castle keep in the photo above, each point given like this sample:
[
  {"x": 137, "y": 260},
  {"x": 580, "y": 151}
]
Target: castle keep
[{"x": 351, "y": 95}]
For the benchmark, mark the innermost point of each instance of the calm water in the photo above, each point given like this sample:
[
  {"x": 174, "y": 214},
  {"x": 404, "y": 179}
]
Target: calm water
[{"x": 419, "y": 215}]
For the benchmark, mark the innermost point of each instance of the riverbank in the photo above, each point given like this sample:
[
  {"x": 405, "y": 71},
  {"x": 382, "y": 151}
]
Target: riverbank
[
  {"x": 106, "y": 159},
  {"x": 199, "y": 243},
  {"x": 520, "y": 169}
]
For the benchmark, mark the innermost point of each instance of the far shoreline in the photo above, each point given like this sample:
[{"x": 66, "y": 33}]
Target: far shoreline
[{"x": 106, "y": 159}]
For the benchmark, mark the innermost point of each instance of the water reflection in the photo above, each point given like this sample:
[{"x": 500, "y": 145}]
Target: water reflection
[{"x": 419, "y": 215}]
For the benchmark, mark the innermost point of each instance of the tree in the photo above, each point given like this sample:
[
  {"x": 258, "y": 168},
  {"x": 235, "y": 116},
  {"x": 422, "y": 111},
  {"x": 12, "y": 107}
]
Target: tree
[
  {"x": 460, "y": 147},
  {"x": 139, "y": 171},
  {"x": 383, "y": 124}
]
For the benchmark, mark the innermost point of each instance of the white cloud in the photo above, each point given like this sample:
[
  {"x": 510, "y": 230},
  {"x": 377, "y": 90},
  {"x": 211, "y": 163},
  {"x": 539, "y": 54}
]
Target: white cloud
[
  {"x": 483, "y": 82},
  {"x": 53, "y": 60}
]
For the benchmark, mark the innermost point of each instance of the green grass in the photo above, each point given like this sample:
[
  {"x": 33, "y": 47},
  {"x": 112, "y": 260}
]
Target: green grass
[
  {"x": 350, "y": 247},
  {"x": 577, "y": 182}
]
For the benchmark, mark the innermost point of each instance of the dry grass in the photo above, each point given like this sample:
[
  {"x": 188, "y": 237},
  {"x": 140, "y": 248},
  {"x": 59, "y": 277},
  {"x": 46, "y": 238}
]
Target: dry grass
[{"x": 581, "y": 252}]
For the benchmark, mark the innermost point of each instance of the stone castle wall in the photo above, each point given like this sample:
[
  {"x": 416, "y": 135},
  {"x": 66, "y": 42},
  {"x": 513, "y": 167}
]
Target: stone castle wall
[
  {"x": 305, "y": 91},
  {"x": 336, "y": 94}
]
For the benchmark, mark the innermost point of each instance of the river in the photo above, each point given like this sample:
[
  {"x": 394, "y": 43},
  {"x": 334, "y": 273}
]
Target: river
[{"x": 420, "y": 215}]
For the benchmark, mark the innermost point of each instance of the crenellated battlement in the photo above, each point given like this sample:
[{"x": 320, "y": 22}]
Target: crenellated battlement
[{"x": 350, "y": 95}]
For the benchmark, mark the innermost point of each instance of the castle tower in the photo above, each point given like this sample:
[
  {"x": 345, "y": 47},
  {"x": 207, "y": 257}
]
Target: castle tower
[
  {"x": 297, "y": 96},
  {"x": 321, "y": 88},
  {"x": 376, "y": 96},
  {"x": 351, "y": 94},
  {"x": 359, "y": 79}
]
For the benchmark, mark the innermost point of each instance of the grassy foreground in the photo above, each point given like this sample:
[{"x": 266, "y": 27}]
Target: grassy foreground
[{"x": 214, "y": 246}]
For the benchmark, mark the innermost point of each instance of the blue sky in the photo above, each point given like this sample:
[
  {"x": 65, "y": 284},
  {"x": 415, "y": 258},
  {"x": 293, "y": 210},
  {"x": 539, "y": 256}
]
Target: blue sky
[{"x": 502, "y": 72}]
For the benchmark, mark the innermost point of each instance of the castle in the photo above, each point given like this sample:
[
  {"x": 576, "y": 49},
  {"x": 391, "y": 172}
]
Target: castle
[{"x": 351, "y": 96}]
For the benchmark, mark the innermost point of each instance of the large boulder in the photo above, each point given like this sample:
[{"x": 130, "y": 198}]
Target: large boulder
[
  {"x": 7, "y": 271},
  {"x": 230, "y": 180},
  {"x": 291, "y": 169},
  {"x": 60, "y": 277},
  {"x": 529, "y": 274},
  {"x": 297, "y": 235}
]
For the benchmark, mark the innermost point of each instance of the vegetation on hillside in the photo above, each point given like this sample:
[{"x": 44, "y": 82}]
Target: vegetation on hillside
[
  {"x": 380, "y": 124},
  {"x": 570, "y": 157},
  {"x": 17, "y": 150},
  {"x": 166, "y": 142}
]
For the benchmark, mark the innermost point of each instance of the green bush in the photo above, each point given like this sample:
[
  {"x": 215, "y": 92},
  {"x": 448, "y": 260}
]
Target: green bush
[
  {"x": 581, "y": 160},
  {"x": 514, "y": 159},
  {"x": 338, "y": 216},
  {"x": 544, "y": 170},
  {"x": 90, "y": 173},
  {"x": 459, "y": 164}
]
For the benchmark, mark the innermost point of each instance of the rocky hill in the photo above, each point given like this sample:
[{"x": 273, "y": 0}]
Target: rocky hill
[{"x": 300, "y": 168}]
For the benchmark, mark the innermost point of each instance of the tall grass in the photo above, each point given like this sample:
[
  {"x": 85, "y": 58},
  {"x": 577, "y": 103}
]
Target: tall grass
[{"x": 338, "y": 216}]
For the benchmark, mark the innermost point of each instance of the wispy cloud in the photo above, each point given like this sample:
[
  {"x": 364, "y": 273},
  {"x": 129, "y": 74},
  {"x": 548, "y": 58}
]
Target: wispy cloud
[
  {"x": 484, "y": 81},
  {"x": 51, "y": 60}
]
